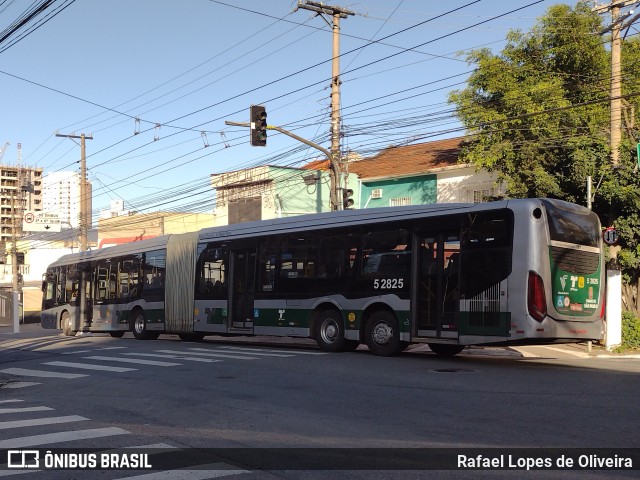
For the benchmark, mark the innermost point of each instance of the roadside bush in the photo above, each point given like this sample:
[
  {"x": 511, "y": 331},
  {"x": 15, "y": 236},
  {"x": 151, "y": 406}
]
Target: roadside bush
[{"x": 630, "y": 330}]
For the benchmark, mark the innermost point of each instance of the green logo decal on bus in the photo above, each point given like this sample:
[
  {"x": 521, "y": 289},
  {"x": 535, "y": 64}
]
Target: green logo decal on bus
[{"x": 575, "y": 293}]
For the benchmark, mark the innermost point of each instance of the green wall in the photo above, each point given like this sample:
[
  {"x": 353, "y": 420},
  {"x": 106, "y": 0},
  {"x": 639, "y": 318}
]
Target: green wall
[{"x": 421, "y": 189}]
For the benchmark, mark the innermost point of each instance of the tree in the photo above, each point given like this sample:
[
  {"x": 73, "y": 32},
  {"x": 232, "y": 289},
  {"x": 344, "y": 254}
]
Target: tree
[{"x": 538, "y": 115}]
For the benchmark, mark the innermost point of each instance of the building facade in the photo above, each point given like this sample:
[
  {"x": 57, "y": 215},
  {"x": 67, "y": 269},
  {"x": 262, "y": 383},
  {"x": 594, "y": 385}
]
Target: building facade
[
  {"x": 266, "y": 192},
  {"x": 61, "y": 195},
  {"x": 20, "y": 190}
]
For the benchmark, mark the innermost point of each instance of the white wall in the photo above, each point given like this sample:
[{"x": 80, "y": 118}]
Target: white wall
[{"x": 457, "y": 184}]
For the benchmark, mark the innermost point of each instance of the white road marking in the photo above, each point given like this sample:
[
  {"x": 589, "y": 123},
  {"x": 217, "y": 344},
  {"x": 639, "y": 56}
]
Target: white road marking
[
  {"x": 75, "y": 352},
  {"x": 178, "y": 357},
  {"x": 59, "y": 437},
  {"x": 252, "y": 350},
  {"x": 187, "y": 474},
  {"x": 24, "y": 409},
  {"x": 40, "y": 373},
  {"x": 41, "y": 421},
  {"x": 90, "y": 366},
  {"x": 134, "y": 360},
  {"x": 20, "y": 384},
  {"x": 223, "y": 355}
]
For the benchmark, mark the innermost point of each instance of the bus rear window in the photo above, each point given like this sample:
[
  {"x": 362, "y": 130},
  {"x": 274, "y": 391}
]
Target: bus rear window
[{"x": 572, "y": 224}]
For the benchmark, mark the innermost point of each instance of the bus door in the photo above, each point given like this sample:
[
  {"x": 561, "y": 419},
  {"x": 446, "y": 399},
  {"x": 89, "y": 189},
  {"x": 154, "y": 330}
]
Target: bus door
[
  {"x": 85, "y": 299},
  {"x": 437, "y": 291},
  {"x": 242, "y": 290}
]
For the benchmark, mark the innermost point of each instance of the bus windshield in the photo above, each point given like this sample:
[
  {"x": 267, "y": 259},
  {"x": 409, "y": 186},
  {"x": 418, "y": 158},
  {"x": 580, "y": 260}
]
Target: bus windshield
[{"x": 572, "y": 224}]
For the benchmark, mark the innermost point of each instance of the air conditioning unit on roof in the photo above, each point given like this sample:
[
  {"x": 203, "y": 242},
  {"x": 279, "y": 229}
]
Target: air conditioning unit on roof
[{"x": 376, "y": 193}]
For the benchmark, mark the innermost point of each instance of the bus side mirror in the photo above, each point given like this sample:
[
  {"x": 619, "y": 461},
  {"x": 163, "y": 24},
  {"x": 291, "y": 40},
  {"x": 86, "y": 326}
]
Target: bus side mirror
[{"x": 44, "y": 286}]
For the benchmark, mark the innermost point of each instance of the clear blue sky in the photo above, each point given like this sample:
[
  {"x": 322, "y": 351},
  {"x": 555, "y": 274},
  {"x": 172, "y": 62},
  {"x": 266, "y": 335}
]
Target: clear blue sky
[{"x": 189, "y": 65}]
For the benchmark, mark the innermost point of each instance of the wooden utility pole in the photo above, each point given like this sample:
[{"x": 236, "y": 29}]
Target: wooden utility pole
[
  {"x": 617, "y": 24},
  {"x": 336, "y": 160},
  {"x": 84, "y": 217}
]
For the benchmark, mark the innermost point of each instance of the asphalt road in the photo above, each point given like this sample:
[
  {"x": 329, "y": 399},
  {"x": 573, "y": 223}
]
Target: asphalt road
[{"x": 100, "y": 393}]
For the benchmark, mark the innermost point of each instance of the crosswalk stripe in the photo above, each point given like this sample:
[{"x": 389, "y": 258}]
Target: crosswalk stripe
[
  {"x": 134, "y": 360},
  {"x": 41, "y": 421},
  {"x": 40, "y": 373},
  {"x": 252, "y": 350},
  {"x": 245, "y": 350},
  {"x": 20, "y": 384},
  {"x": 12, "y": 400},
  {"x": 10, "y": 473},
  {"x": 24, "y": 409},
  {"x": 59, "y": 437},
  {"x": 223, "y": 355},
  {"x": 90, "y": 366},
  {"x": 75, "y": 352},
  {"x": 203, "y": 472},
  {"x": 178, "y": 357}
]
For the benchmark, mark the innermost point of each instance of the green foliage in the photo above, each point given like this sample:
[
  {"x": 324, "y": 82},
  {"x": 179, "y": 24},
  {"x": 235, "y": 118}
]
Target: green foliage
[
  {"x": 630, "y": 331},
  {"x": 537, "y": 114}
]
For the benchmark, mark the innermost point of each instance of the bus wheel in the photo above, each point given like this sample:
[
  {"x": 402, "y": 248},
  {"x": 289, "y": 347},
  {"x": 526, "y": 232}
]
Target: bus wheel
[
  {"x": 116, "y": 334},
  {"x": 383, "y": 334},
  {"x": 67, "y": 325},
  {"x": 139, "y": 326},
  {"x": 445, "y": 350},
  {"x": 330, "y": 331},
  {"x": 191, "y": 337}
]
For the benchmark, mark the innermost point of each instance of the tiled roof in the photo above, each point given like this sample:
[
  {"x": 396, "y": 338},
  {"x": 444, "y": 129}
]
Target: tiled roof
[{"x": 409, "y": 160}]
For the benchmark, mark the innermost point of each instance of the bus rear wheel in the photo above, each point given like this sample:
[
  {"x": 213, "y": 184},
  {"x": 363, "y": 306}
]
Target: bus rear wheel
[
  {"x": 119, "y": 334},
  {"x": 445, "y": 350},
  {"x": 383, "y": 334},
  {"x": 330, "y": 332},
  {"x": 139, "y": 327}
]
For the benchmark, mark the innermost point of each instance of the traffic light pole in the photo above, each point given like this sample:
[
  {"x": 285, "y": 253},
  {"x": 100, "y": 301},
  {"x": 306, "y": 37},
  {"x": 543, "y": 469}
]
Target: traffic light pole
[{"x": 333, "y": 171}]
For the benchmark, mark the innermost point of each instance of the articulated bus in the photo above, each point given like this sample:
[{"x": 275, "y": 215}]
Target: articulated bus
[{"x": 511, "y": 272}]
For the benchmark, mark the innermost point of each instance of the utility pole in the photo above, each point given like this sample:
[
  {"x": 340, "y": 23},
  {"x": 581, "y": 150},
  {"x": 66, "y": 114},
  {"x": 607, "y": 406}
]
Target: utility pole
[
  {"x": 336, "y": 161},
  {"x": 84, "y": 222},
  {"x": 15, "y": 284},
  {"x": 617, "y": 24}
]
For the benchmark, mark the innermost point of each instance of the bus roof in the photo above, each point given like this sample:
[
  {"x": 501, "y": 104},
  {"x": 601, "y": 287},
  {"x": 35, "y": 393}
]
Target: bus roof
[{"x": 315, "y": 221}]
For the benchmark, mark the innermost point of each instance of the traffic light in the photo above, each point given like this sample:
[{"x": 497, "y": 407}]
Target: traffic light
[
  {"x": 20, "y": 258},
  {"x": 347, "y": 201},
  {"x": 258, "y": 119}
]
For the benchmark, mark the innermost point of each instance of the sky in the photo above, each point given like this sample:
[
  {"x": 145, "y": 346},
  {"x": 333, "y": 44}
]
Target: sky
[{"x": 153, "y": 81}]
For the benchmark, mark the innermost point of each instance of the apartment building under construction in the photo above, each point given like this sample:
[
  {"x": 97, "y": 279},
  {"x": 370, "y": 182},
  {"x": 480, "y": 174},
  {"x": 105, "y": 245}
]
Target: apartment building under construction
[{"x": 20, "y": 190}]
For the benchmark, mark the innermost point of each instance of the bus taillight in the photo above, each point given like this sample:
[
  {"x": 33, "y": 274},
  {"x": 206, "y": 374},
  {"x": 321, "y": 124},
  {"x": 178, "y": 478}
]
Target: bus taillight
[{"x": 536, "y": 299}]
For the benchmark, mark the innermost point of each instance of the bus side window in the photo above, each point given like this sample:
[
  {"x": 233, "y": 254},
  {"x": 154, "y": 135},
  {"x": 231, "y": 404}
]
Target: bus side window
[{"x": 211, "y": 272}]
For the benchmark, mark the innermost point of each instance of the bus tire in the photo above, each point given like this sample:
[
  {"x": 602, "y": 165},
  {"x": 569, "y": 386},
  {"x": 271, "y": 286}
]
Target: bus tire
[
  {"x": 139, "y": 326},
  {"x": 383, "y": 334},
  {"x": 191, "y": 337},
  {"x": 330, "y": 331},
  {"x": 445, "y": 350},
  {"x": 118, "y": 334},
  {"x": 66, "y": 324}
]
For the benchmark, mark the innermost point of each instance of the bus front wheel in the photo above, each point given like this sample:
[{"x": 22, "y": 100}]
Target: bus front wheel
[
  {"x": 445, "y": 350},
  {"x": 139, "y": 327},
  {"x": 330, "y": 332},
  {"x": 383, "y": 334}
]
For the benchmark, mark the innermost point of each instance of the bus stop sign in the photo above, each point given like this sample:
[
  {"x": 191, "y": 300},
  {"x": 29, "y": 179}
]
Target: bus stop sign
[{"x": 610, "y": 236}]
